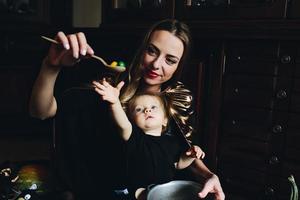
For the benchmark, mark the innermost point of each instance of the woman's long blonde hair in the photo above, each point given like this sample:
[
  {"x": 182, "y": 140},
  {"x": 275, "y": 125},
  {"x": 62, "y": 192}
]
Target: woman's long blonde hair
[{"x": 178, "y": 29}]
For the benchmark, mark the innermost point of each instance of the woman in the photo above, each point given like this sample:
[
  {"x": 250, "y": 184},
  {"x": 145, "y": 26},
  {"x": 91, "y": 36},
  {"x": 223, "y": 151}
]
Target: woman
[{"x": 156, "y": 66}]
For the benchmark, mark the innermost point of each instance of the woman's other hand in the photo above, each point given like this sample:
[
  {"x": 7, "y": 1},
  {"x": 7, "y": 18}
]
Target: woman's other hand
[
  {"x": 74, "y": 46},
  {"x": 212, "y": 185}
]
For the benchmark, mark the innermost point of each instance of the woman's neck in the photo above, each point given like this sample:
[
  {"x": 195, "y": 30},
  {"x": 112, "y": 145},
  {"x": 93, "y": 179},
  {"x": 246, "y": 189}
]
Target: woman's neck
[{"x": 151, "y": 88}]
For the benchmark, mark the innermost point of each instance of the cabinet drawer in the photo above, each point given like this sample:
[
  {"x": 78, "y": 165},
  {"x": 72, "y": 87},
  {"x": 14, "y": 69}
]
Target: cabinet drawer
[
  {"x": 295, "y": 100},
  {"x": 297, "y": 70},
  {"x": 249, "y": 91},
  {"x": 257, "y": 124},
  {"x": 255, "y": 57},
  {"x": 297, "y": 58},
  {"x": 252, "y": 66},
  {"x": 248, "y": 123},
  {"x": 278, "y": 187},
  {"x": 244, "y": 153},
  {"x": 242, "y": 182},
  {"x": 257, "y": 91},
  {"x": 293, "y": 131}
]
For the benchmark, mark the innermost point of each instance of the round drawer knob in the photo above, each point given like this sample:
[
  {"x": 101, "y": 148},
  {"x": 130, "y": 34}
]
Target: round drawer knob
[
  {"x": 236, "y": 90},
  {"x": 286, "y": 59},
  {"x": 269, "y": 191},
  {"x": 281, "y": 94},
  {"x": 274, "y": 160},
  {"x": 277, "y": 128}
]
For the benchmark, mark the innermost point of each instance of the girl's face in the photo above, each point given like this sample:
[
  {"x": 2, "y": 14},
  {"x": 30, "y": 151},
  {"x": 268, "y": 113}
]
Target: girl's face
[
  {"x": 161, "y": 58},
  {"x": 147, "y": 112}
]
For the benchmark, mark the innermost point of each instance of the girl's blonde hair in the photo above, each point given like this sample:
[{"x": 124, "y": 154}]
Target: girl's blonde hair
[{"x": 178, "y": 29}]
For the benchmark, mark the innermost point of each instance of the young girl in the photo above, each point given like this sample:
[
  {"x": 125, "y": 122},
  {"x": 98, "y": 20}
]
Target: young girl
[{"x": 152, "y": 155}]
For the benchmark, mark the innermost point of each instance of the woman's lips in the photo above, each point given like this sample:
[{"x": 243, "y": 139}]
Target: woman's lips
[{"x": 151, "y": 74}]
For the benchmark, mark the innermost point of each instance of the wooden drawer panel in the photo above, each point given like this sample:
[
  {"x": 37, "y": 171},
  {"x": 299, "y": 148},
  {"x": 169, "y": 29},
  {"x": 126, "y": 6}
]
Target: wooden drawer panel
[
  {"x": 293, "y": 131},
  {"x": 252, "y": 57},
  {"x": 244, "y": 153},
  {"x": 251, "y": 66},
  {"x": 247, "y": 81},
  {"x": 254, "y": 48},
  {"x": 246, "y": 183},
  {"x": 257, "y": 124},
  {"x": 257, "y": 91},
  {"x": 297, "y": 69},
  {"x": 277, "y": 188},
  {"x": 254, "y": 125},
  {"x": 249, "y": 91},
  {"x": 295, "y": 105}
]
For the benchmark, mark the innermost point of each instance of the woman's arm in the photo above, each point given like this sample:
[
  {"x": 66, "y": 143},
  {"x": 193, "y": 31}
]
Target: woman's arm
[
  {"x": 74, "y": 46},
  {"x": 212, "y": 183},
  {"x": 42, "y": 102}
]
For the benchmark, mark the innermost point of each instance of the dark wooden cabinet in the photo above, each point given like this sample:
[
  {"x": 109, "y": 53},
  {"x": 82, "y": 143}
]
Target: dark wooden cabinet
[{"x": 255, "y": 155}]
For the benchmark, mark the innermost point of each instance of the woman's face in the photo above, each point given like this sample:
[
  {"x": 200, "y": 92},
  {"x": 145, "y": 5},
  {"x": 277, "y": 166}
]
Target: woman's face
[{"x": 161, "y": 57}]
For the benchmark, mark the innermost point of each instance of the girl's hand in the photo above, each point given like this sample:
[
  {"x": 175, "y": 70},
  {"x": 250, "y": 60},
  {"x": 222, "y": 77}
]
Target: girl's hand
[
  {"x": 195, "y": 152},
  {"x": 108, "y": 92},
  {"x": 74, "y": 47}
]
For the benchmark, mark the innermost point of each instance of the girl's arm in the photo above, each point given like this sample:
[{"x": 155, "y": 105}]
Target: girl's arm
[
  {"x": 186, "y": 159},
  {"x": 111, "y": 94}
]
